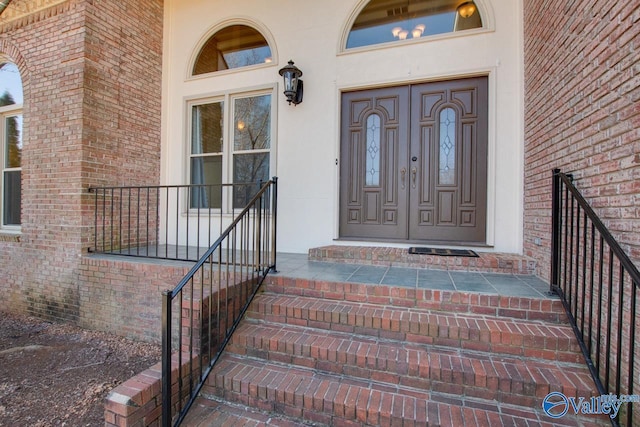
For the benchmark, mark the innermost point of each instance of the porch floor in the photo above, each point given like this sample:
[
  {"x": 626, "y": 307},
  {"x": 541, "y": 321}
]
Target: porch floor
[{"x": 298, "y": 266}]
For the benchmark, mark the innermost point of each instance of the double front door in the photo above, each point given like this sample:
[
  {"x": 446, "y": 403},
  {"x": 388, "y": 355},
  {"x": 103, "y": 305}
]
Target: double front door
[{"x": 413, "y": 162}]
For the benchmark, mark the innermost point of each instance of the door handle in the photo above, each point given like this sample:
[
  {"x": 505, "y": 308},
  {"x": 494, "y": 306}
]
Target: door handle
[
  {"x": 414, "y": 172},
  {"x": 403, "y": 173}
]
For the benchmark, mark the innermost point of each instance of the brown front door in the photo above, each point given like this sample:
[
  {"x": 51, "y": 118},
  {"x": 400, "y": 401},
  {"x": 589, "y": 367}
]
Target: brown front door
[{"x": 414, "y": 162}]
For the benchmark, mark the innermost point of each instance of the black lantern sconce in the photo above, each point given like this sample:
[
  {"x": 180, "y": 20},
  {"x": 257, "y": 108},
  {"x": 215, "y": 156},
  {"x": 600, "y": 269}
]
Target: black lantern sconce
[{"x": 292, "y": 83}]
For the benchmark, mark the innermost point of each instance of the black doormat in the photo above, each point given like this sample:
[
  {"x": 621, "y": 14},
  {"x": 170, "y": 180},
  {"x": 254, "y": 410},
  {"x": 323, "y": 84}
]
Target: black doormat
[{"x": 443, "y": 252}]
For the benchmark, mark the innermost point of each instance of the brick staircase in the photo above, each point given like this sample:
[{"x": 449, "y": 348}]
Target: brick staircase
[{"x": 313, "y": 352}]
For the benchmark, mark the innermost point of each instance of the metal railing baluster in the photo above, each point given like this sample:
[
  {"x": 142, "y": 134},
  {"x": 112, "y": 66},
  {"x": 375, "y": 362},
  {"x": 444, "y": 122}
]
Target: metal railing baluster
[
  {"x": 584, "y": 276},
  {"x": 197, "y": 324}
]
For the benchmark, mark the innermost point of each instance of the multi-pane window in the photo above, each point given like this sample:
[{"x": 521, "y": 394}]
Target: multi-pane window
[
  {"x": 11, "y": 144},
  {"x": 230, "y": 143},
  {"x": 230, "y": 139}
]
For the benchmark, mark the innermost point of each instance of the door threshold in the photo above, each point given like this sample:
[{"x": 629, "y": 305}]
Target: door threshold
[{"x": 408, "y": 243}]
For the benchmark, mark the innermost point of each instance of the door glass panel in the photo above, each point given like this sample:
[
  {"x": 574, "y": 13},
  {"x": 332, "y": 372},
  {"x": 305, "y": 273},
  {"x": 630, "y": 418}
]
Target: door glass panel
[
  {"x": 447, "y": 146},
  {"x": 373, "y": 151}
]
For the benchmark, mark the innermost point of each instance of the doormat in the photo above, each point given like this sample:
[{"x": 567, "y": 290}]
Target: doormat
[{"x": 443, "y": 252}]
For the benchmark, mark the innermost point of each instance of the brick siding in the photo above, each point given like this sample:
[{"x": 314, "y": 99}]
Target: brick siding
[
  {"x": 124, "y": 296},
  {"x": 582, "y": 114},
  {"x": 91, "y": 117}
]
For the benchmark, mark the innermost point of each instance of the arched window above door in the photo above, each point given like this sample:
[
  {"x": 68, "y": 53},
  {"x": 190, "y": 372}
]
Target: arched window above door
[
  {"x": 384, "y": 21},
  {"x": 234, "y": 46}
]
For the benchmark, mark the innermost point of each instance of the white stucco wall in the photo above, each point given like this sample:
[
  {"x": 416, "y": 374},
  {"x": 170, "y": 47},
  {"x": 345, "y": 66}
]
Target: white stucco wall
[{"x": 307, "y": 136}]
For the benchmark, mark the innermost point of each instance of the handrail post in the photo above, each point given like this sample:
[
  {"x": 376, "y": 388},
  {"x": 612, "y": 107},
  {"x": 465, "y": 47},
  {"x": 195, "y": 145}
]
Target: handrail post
[
  {"x": 95, "y": 221},
  {"x": 166, "y": 359},
  {"x": 274, "y": 219},
  {"x": 258, "y": 227},
  {"x": 191, "y": 382},
  {"x": 556, "y": 224}
]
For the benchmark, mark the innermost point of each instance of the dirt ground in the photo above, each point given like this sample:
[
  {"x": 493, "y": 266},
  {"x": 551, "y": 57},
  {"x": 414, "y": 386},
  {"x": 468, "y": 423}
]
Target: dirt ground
[{"x": 58, "y": 375}]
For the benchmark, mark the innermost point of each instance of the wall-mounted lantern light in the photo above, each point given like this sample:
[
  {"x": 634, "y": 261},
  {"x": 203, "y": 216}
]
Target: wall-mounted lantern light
[{"x": 292, "y": 83}]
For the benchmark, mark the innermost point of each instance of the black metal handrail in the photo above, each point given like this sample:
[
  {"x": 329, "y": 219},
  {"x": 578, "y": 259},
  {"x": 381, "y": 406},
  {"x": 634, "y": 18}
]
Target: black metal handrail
[
  {"x": 173, "y": 222},
  {"x": 598, "y": 285},
  {"x": 211, "y": 300}
]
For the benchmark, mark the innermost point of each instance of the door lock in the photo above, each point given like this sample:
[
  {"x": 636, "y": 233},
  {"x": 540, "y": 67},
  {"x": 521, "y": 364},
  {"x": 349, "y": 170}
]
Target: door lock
[{"x": 414, "y": 159}]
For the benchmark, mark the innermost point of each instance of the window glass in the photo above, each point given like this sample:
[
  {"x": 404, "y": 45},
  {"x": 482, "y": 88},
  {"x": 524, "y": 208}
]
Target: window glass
[
  {"x": 11, "y": 98},
  {"x": 10, "y": 85},
  {"x": 251, "y": 144},
  {"x": 12, "y": 181},
  {"x": 13, "y": 138},
  {"x": 207, "y": 126},
  {"x": 243, "y": 161},
  {"x": 12, "y": 197},
  {"x": 232, "y": 47},
  {"x": 383, "y": 21},
  {"x": 252, "y": 118}
]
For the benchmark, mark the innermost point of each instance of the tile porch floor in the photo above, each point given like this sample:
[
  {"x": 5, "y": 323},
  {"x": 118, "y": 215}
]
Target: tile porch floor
[{"x": 298, "y": 266}]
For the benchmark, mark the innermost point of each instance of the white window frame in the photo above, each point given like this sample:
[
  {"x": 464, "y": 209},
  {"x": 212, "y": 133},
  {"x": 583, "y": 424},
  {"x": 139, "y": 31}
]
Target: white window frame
[
  {"x": 228, "y": 106},
  {"x": 5, "y": 112}
]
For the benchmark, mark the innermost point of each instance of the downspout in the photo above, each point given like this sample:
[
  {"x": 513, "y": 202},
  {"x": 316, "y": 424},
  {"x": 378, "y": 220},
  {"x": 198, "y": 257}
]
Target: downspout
[{"x": 3, "y": 5}]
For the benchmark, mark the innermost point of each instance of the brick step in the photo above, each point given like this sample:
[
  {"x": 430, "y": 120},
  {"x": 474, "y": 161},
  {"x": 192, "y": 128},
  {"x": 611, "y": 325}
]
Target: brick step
[
  {"x": 457, "y": 372},
  {"x": 527, "y": 308},
  {"x": 209, "y": 412},
  {"x": 330, "y": 399},
  {"x": 498, "y": 335},
  {"x": 400, "y": 257}
]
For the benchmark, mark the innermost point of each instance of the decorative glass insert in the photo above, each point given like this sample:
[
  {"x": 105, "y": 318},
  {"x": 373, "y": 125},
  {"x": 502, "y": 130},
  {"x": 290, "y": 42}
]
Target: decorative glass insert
[
  {"x": 10, "y": 85},
  {"x": 373, "y": 151},
  {"x": 207, "y": 127},
  {"x": 251, "y": 146},
  {"x": 232, "y": 47},
  {"x": 448, "y": 146},
  {"x": 383, "y": 21}
]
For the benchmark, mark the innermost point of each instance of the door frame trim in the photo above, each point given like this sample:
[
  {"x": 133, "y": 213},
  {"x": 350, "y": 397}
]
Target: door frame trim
[{"x": 491, "y": 74}]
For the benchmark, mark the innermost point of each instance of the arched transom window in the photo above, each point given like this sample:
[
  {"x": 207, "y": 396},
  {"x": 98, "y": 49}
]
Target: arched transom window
[
  {"x": 234, "y": 46},
  {"x": 383, "y": 21}
]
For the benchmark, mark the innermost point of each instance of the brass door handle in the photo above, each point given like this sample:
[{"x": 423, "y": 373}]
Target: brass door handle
[
  {"x": 403, "y": 173},
  {"x": 414, "y": 173}
]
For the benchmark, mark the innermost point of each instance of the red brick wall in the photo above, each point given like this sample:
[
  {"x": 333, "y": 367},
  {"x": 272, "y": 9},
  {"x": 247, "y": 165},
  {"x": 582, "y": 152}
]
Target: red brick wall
[
  {"x": 582, "y": 114},
  {"x": 38, "y": 271},
  {"x": 125, "y": 296},
  {"x": 91, "y": 72}
]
